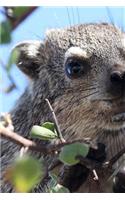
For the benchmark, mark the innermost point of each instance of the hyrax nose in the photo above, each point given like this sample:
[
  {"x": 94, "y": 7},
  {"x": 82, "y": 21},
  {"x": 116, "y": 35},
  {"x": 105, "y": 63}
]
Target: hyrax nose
[{"x": 118, "y": 77}]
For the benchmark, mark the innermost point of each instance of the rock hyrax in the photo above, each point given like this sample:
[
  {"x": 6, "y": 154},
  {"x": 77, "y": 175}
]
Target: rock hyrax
[{"x": 81, "y": 70}]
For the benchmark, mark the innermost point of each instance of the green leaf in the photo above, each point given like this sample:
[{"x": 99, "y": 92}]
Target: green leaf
[
  {"x": 25, "y": 173},
  {"x": 42, "y": 133},
  {"x": 54, "y": 186},
  {"x": 49, "y": 125},
  {"x": 5, "y": 33},
  {"x": 59, "y": 189},
  {"x": 12, "y": 59},
  {"x": 18, "y": 11},
  {"x": 69, "y": 153}
]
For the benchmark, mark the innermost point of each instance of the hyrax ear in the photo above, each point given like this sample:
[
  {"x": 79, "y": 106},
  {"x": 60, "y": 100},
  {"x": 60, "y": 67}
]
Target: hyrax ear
[{"x": 28, "y": 60}]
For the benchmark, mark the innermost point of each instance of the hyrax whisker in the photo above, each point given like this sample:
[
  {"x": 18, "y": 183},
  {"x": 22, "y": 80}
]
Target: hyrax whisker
[
  {"x": 78, "y": 15},
  {"x": 89, "y": 95}
]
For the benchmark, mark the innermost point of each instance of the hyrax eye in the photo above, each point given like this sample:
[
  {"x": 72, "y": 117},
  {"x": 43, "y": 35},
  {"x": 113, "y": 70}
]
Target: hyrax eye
[{"x": 75, "y": 68}]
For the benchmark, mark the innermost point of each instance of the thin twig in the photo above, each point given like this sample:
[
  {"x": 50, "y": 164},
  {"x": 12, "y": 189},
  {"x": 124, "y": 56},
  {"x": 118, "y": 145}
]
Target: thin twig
[
  {"x": 23, "y": 151},
  {"x": 54, "y": 164},
  {"x": 96, "y": 178},
  {"x": 56, "y": 122},
  {"x": 114, "y": 158},
  {"x": 90, "y": 164}
]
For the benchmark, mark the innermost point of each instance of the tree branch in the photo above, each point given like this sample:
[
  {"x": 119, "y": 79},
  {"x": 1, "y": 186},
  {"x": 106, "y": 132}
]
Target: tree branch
[
  {"x": 50, "y": 148},
  {"x": 44, "y": 149},
  {"x": 16, "y": 21}
]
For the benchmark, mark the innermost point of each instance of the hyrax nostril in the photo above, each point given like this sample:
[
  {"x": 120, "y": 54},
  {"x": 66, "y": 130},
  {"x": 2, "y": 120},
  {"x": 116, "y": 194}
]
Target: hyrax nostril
[
  {"x": 116, "y": 77},
  {"x": 123, "y": 77}
]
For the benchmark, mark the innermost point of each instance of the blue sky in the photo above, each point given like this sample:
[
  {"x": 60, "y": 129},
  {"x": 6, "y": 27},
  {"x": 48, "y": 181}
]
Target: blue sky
[{"x": 35, "y": 26}]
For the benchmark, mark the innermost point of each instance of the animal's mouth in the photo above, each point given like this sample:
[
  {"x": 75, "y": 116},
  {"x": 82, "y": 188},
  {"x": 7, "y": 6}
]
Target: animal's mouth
[
  {"x": 116, "y": 111},
  {"x": 118, "y": 114},
  {"x": 120, "y": 117}
]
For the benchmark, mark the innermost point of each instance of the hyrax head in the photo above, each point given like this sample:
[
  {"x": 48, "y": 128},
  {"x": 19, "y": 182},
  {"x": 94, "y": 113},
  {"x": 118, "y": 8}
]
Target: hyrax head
[{"x": 81, "y": 70}]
